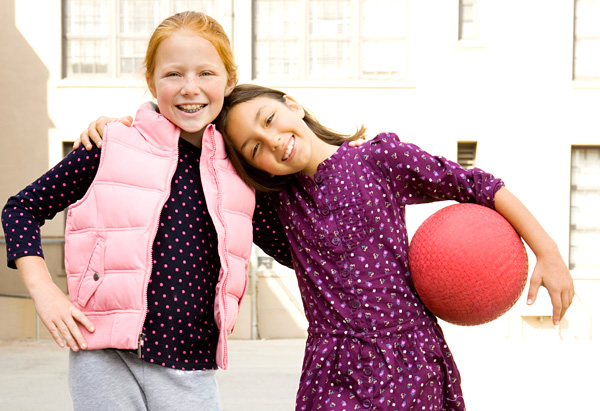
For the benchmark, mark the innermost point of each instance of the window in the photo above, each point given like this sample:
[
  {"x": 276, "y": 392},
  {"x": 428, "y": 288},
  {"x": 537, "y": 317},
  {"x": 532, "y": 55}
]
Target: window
[
  {"x": 466, "y": 153},
  {"x": 108, "y": 38},
  {"x": 586, "y": 40},
  {"x": 330, "y": 39},
  {"x": 585, "y": 203},
  {"x": 467, "y": 19}
]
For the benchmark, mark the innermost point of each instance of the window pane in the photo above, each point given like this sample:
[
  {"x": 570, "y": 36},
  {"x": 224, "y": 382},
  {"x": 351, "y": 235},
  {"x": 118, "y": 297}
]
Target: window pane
[
  {"x": 384, "y": 18},
  {"x": 276, "y": 58},
  {"x": 87, "y": 17},
  {"x": 585, "y": 203},
  {"x": 205, "y": 6},
  {"x": 331, "y": 39},
  {"x": 132, "y": 54},
  {"x": 330, "y": 17},
  {"x": 384, "y": 59},
  {"x": 275, "y": 18},
  {"x": 467, "y": 20},
  {"x": 586, "y": 55},
  {"x": 87, "y": 57},
  {"x": 139, "y": 16},
  {"x": 330, "y": 59},
  {"x": 276, "y": 39},
  {"x": 587, "y": 17},
  {"x": 587, "y": 59}
]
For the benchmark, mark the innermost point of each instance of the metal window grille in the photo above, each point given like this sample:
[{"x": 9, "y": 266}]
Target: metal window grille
[
  {"x": 108, "y": 38},
  {"x": 466, "y": 153},
  {"x": 330, "y": 39},
  {"x": 584, "y": 241},
  {"x": 586, "y": 40}
]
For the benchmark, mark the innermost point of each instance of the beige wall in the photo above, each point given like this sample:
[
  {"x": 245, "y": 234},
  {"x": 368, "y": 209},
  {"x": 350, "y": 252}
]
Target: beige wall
[{"x": 511, "y": 91}]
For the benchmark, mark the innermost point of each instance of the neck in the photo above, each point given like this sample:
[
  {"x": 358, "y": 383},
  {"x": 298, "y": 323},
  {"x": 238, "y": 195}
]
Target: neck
[
  {"x": 193, "y": 138},
  {"x": 321, "y": 151}
]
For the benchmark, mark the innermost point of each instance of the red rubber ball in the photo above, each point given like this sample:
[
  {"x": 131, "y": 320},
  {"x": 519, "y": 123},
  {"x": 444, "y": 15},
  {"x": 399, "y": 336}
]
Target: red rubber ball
[{"x": 468, "y": 264}]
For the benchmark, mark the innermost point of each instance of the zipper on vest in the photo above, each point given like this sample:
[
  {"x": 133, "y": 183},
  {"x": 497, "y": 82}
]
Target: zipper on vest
[{"x": 140, "y": 344}]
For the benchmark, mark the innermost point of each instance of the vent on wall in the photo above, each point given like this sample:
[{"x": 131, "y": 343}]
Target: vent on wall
[{"x": 466, "y": 153}]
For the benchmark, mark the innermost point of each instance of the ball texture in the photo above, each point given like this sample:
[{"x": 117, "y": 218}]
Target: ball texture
[{"x": 468, "y": 264}]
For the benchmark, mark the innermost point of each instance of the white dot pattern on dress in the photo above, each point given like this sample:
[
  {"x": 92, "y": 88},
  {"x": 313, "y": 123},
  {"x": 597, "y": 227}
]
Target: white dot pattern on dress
[{"x": 372, "y": 344}]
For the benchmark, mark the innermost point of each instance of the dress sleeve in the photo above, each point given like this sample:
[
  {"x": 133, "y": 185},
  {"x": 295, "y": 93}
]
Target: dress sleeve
[
  {"x": 419, "y": 177},
  {"x": 61, "y": 186},
  {"x": 269, "y": 234}
]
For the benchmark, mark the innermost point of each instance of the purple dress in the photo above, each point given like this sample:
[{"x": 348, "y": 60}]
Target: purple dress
[{"x": 371, "y": 342}]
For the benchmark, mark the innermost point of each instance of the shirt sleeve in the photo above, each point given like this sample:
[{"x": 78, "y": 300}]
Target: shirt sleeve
[
  {"x": 419, "y": 177},
  {"x": 61, "y": 186},
  {"x": 269, "y": 234}
]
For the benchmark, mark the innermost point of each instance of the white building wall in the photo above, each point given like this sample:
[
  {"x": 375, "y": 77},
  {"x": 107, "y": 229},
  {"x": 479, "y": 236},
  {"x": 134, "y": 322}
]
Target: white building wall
[{"x": 511, "y": 91}]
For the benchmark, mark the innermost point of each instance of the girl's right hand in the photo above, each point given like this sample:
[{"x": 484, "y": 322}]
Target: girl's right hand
[
  {"x": 55, "y": 310},
  {"x": 60, "y": 317},
  {"x": 94, "y": 132}
]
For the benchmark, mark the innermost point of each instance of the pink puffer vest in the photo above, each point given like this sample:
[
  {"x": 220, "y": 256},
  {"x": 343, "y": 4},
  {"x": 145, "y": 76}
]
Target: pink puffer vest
[{"x": 110, "y": 231}]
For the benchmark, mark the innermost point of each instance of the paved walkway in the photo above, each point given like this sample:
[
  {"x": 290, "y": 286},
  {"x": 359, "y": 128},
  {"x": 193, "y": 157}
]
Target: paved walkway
[{"x": 263, "y": 375}]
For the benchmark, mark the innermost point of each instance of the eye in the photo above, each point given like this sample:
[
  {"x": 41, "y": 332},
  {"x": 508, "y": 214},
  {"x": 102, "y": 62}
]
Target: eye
[
  {"x": 172, "y": 74},
  {"x": 205, "y": 73},
  {"x": 269, "y": 119},
  {"x": 254, "y": 150}
]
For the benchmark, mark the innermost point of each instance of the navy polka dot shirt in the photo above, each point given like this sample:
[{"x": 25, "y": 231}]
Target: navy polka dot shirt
[{"x": 180, "y": 331}]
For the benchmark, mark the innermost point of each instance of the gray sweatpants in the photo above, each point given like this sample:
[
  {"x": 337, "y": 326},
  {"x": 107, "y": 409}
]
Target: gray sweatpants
[{"x": 115, "y": 380}]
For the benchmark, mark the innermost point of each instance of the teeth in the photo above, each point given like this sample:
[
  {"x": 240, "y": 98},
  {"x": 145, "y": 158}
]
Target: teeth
[
  {"x": 289, "y": 149},
  {"x": 190, "y": 108}
]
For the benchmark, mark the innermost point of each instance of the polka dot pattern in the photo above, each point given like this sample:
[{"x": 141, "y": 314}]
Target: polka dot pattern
[
  {"x": 372, "y": 344},
  {"x": 180, "y": 329}
]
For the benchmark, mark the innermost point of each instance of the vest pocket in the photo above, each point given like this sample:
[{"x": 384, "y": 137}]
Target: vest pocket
[{"x": 93, "y": 275}]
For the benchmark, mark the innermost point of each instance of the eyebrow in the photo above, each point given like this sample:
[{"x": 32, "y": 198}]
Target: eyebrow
[{"x": 256, "y": 119}]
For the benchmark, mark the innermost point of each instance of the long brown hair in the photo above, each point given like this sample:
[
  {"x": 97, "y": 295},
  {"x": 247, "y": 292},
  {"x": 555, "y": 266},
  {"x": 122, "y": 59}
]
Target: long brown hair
[{"x": 259, "y": 179}]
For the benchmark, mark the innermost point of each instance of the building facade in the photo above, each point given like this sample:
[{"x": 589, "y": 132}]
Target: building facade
[{"x": 512, "y": 87}]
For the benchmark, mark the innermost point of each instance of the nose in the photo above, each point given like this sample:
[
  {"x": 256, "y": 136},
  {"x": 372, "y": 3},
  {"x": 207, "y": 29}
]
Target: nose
[
  {"x": 190, "y": 87},
  {"x": 274, "y": 142}
]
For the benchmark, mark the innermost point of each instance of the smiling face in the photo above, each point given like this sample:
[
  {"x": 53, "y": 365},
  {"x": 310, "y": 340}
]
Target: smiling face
[
  {"x": 272, "y": 136},
  {"x": 189, "y": 82}
]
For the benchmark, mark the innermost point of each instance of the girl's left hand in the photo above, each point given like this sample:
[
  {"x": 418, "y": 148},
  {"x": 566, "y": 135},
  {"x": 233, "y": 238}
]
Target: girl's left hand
[
  {"x": 552, "y": 273},
  {"x": 358, "y": 142},
  {"x": 550, "y": 269}
]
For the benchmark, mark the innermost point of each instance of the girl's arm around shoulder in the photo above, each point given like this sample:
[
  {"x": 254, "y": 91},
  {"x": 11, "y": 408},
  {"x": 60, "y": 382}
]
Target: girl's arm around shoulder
[
  {"x": 550, "y": 269},
  {"x": 57, "y": 313},
  {"x": 268, "y": 233},
  {"x": 95, "y": 131}
]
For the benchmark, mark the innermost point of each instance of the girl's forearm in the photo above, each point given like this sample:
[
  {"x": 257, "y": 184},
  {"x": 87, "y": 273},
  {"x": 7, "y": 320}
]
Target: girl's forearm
[
  {"x": 523, "y": 221},
  {"x": 34, "y": 272}
]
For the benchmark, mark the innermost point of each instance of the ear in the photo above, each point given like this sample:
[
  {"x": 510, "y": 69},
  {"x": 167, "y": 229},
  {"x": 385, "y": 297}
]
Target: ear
[
  {"x": 230, "y": 86},
  {"x": 294, "y": 105},
  {"x": 151, "y": 86}
]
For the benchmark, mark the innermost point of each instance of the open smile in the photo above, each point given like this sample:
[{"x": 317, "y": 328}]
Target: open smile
[
  {"x": 289, "y": 149},
  {"x": 191, "y": 108}
]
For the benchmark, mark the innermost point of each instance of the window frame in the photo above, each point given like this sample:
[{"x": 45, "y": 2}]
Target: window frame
[
  {"x": 355, "y": 38},
  {"x": 594, "y": 78},
  {"x": 470, "y": 148},
  {"x": 221, "y": 11},
  {"x": 461, "y": 20},
  {"x": 594, "y": 270}
]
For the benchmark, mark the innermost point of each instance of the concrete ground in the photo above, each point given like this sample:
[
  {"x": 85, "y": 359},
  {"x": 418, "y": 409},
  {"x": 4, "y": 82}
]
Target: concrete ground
[{"x": 263, "y": 375}]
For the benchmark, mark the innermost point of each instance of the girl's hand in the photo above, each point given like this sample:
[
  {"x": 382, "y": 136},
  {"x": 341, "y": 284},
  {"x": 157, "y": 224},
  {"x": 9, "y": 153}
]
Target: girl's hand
[
  {"x": 57, "y": 313},
  {"x": 550, "y": 269},
  {"x": 551, "y": 272},
  {"x": 358, "y": 142},
  {"x": 60, "y": 317},
  {"x": 95, "y": 131}
]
